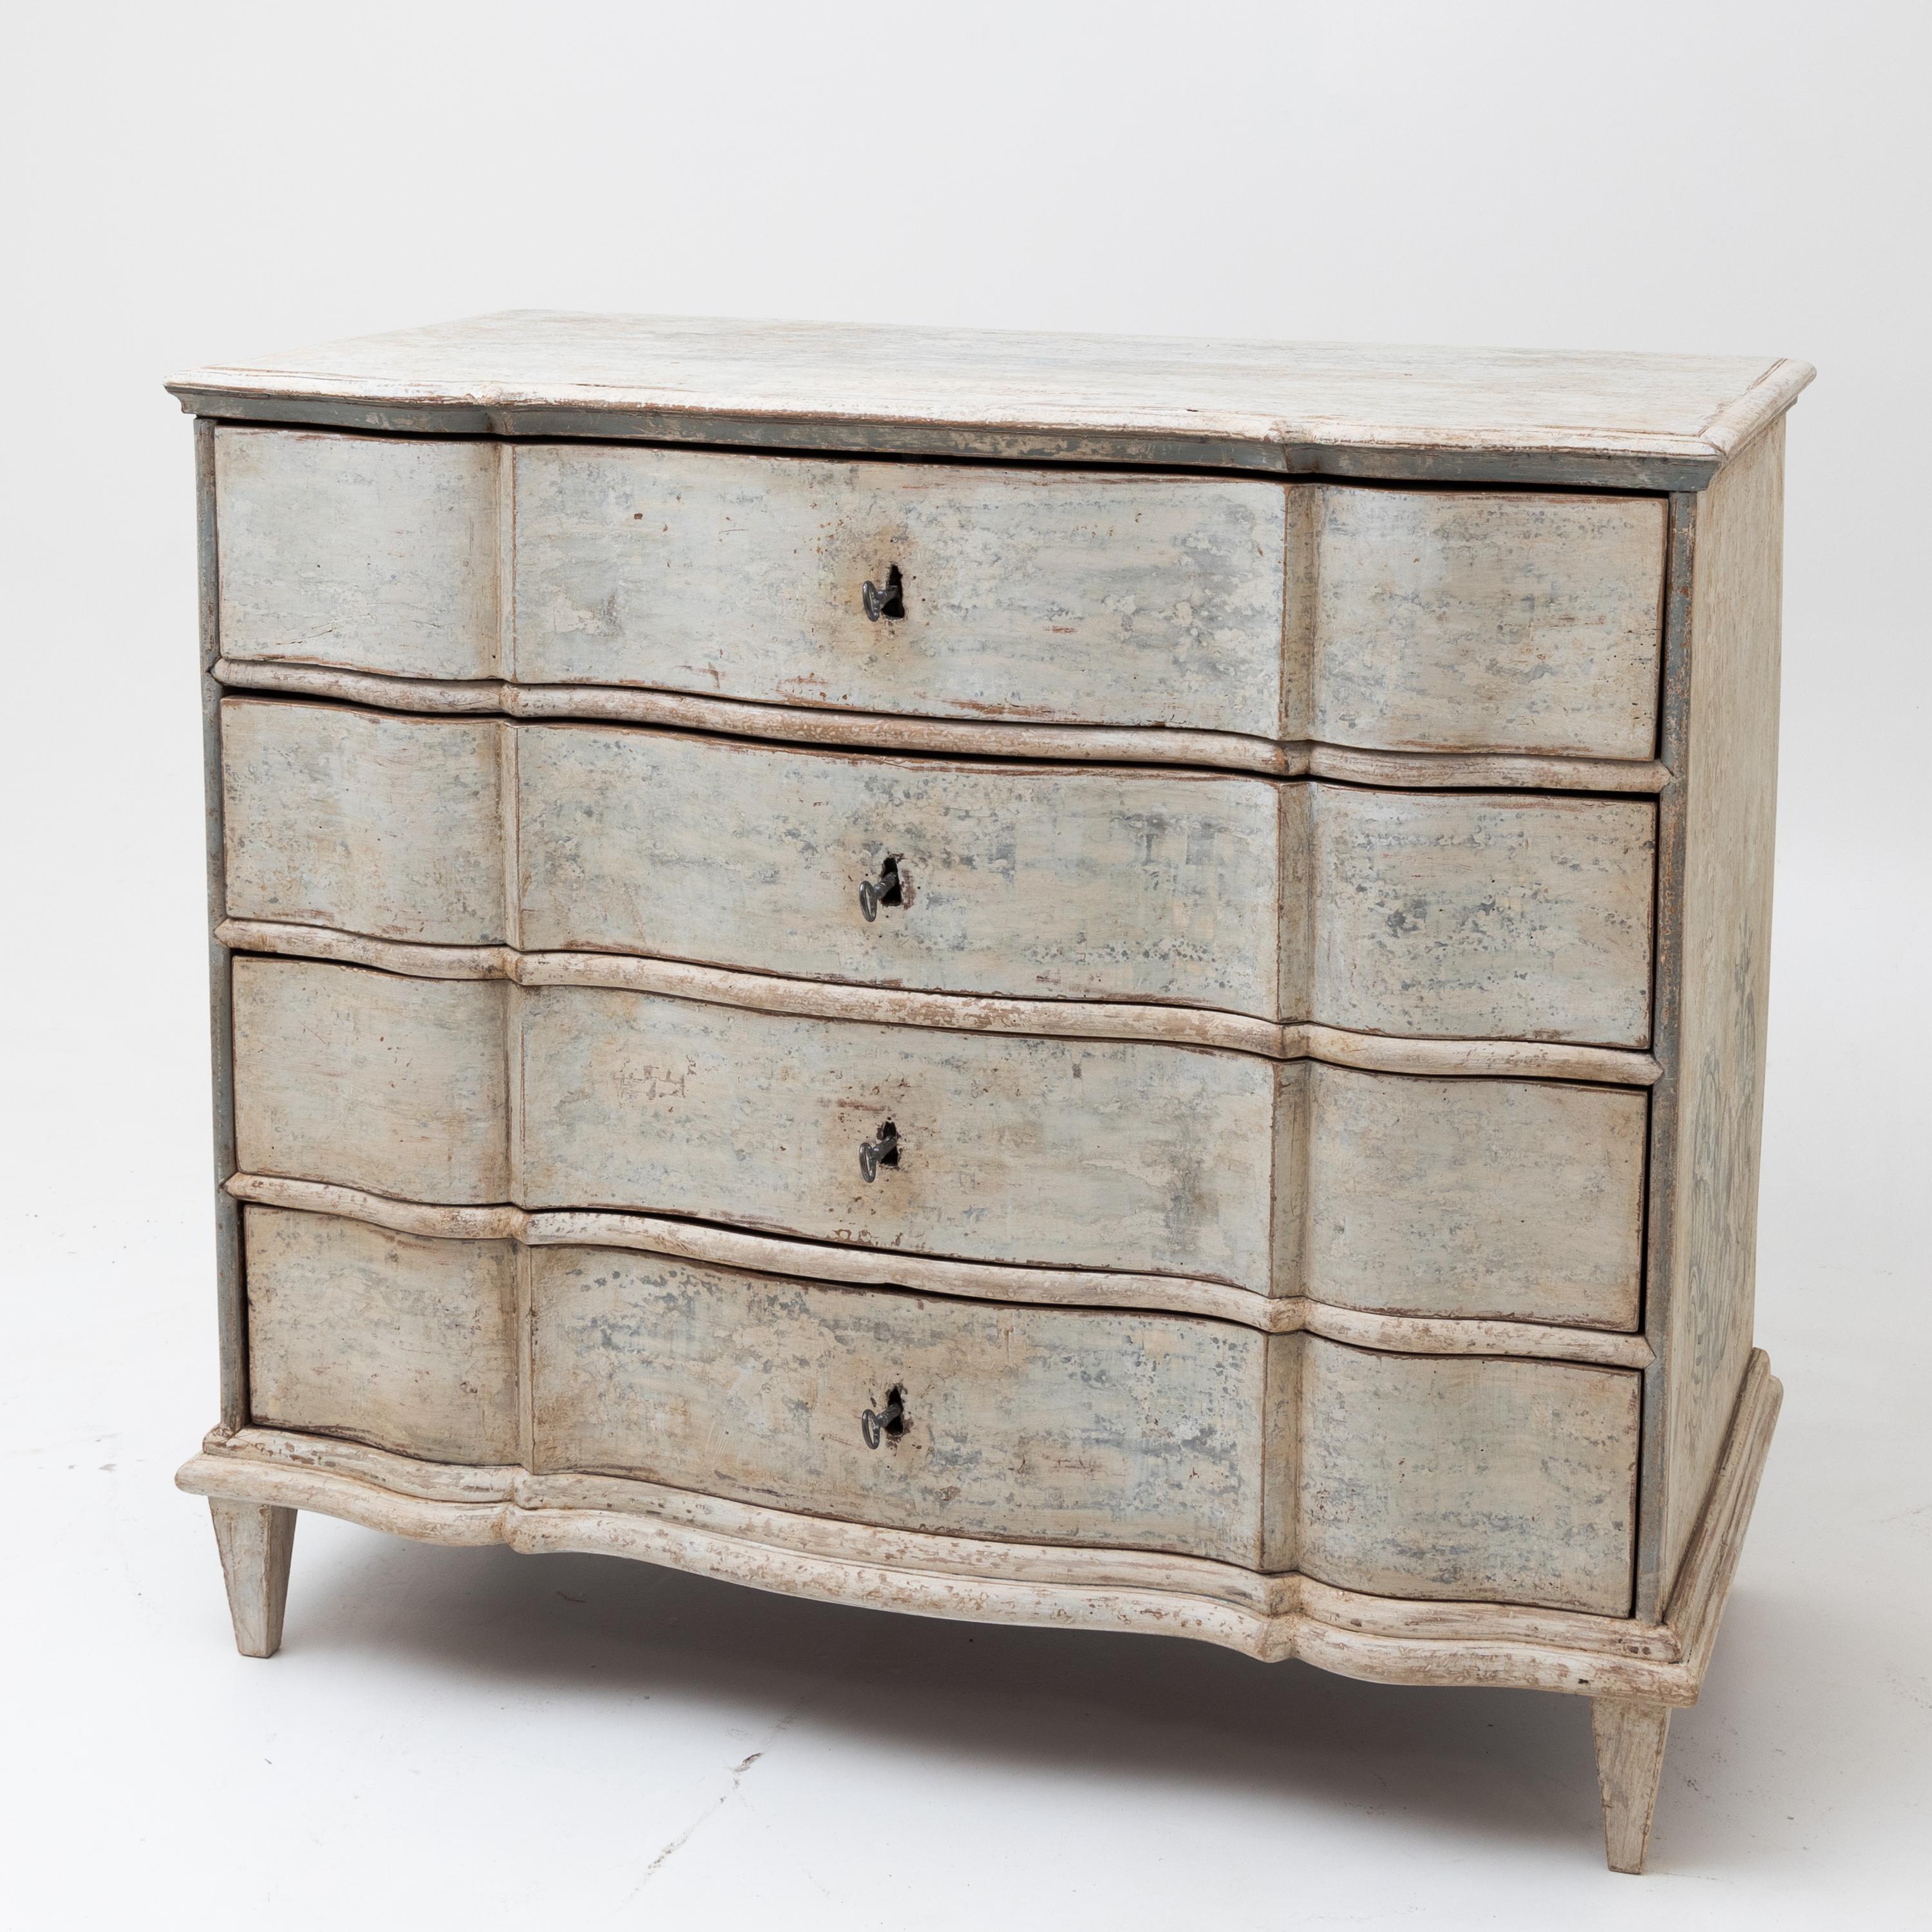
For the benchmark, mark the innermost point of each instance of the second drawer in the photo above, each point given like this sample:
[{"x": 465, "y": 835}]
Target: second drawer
[{"x": 1460, "y": 914}]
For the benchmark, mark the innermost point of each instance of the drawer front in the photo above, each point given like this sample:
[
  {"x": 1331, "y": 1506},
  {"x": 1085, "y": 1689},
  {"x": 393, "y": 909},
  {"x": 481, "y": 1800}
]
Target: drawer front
[
  {"x": 375, "y": 553},
  {"x": 1513, "y": 1199},
  {"x": 1035, "y": 882},
  {"x": 1480, "y": 1479},
  {"x": 372, "y": 1081},
  {"x": 1027, "y": 594},
  {"x": 1469, "y": 620},
  {"x": 410, "y": 1345},
  {"x": 1060, "y": 1425},
  {"x": 1478, "y": 915},
  {"x": 368, "y": 823},
  {"x": 1148, "y": 1157},
  {"x": 1507, "y": 1200},
  {"x": 1475, "y": 1478},
  {"x": 1418, "y": 619}
]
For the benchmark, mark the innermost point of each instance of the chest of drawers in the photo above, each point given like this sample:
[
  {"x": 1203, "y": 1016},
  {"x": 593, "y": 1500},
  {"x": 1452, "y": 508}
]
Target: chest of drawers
[{"x": 1102, "y": 983}]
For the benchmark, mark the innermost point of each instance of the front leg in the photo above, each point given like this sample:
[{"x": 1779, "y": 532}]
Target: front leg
[
  {"x": 256, "y": 1541},
  {"x": 1629, "y": 1738}
]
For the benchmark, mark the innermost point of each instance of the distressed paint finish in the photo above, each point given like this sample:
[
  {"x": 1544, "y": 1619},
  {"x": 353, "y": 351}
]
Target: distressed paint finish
[
  {"x": 1630, "y": 1735},
  {"x": 1084, "y": 1425},
  {"x": 1468, "y": 621},
  {"x": 1713, "y": 1119},
  {"x": 1475, "y": 915},
  {"x": 255, "y": 1541},
  {"x": 1473, "y": 1478},
  {"x": 374, "y": 1081},
  {"x": 389, "y": 825},
  {"x": 1632, "y": 422},
  {"x": 1151, "y": 1158},
  {"x": 1151, "y": 745},
  {"x": 1119, "y": 599},
  {"x": 1450, "y": 914},
  {"x": 1422, "y": 1437},
  {"x": 1512, "y": 1198},
  {"x": 376, "y": 554},
  {"x": 1463, "y": 1198},
  {"x": 1474, "y": 620},
  {"x": 407, "y": 1344},
  {"x": 1039, "y": 882},
  {"x": 1389, "y": 1639}
]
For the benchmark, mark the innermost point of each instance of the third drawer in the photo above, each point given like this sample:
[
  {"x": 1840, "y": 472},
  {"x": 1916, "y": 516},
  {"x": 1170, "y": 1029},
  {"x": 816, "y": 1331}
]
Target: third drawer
[{"x": 1391, "y": 1193}]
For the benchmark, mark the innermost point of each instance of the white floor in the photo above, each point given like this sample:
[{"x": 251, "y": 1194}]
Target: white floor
[{"x": 476, "y": 1738}]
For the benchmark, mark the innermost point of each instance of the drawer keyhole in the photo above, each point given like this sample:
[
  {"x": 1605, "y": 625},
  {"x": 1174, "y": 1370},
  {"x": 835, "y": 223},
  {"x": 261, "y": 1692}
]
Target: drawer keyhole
[
  {"x": 888, "y": 603},
  {"x": 882, "y": 1152},
  {"x": 876, "y": 1424},
  {"x": 890, "y": 888}
]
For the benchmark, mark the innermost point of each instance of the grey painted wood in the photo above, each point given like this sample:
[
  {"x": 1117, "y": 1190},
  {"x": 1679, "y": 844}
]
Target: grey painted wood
[
  {"x": 255, "y": 1541},
  {"x": 389, "y": 825},
  {"x": 1633, "y": 421},
  {"x": 1450, "y": 915},
  {"x": 1115, "y": 599},
  {"x": 1518, "y": 1199},
  {"x": 1465, "y": 1197},
  {"x": 1085, "y": 1426},
  {"x": 1717, "y": 896},
  {"x": 1480, "y": 914},
  {"x": 376, "y": 554},
  {"x": 1035, "y": 881},
  {"x": 1152, "y": 1158},
  {"x": 1630, "y": 1735},
  {"x": 1471, "y": 1478},
  {"x": 1472, "y": 620},
  {"x": 230, "y": 1296},
  {"x": 408, "y": 1344},
  {"x": 375, "y": 1081}
]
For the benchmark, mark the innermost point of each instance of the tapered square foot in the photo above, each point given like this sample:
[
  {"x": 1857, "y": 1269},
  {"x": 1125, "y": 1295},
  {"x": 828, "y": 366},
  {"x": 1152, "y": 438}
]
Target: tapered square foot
[
  {"x": 1630, "y": 1762},
  {"x": 256, "y": 1541}
]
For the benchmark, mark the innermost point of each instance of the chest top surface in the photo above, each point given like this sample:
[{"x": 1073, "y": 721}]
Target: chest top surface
[{"x": 1629, "y": 421}]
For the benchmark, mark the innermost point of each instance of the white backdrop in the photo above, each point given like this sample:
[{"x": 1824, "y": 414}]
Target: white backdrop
[{"x": 470, "y": 1736}]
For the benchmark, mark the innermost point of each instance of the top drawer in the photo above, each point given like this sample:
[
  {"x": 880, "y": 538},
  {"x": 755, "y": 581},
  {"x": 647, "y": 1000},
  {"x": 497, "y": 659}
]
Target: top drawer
[{"x": 1383, "y": 618}]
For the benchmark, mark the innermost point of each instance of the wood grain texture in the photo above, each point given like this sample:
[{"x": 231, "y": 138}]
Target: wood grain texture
[
  {"x": 1633, "y": 421},
  {"x": 862, "y": 730},
  {"x": 377, "y": 554},
  {"x": 256, "y": 1541},
  {"x": 1385, "y": 911},
  {"x": 1477, "y": 1478},
  {"x": 1472, "y": 620},
  {"x": 1389, "y": 1640},
  {"x": 1092, "y": 1288},
  {"x": 955, "y": 1013},
  {"x": 393, "y": 1084},
  {"x": 408, "y": 1344},
  {"x": 1085, "y": 1426},
  {"x": 1706, "y": 1234},
  {"x": 1630, "y": 1736}
]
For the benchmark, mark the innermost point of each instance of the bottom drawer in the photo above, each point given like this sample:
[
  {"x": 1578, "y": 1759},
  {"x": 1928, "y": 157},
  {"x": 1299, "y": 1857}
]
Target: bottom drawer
[{"x": 1473, "y": 1478}]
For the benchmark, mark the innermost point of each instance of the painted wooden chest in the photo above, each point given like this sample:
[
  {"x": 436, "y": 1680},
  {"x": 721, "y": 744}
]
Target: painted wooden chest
[{"x": 1098, "y": 982}]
